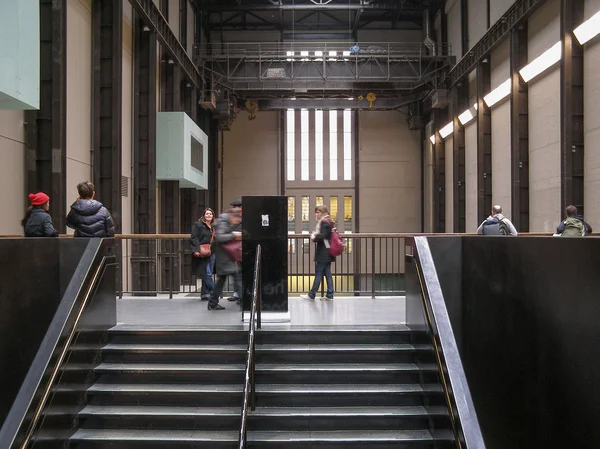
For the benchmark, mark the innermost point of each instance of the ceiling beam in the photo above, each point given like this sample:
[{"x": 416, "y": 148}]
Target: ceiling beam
[{"x": 308, "y": 7}]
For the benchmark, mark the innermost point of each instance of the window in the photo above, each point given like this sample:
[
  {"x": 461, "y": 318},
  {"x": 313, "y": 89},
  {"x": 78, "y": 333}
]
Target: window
[
  {"x": 305, "y": 213},
  {"x": 348, "y": 222},
  {"x": 333, "y": 207},
  {"x": 347, "y": 145},
  {"x": 291, "y": 223},
  {"x": 319, "y": 145},
  {"x": 304, "y": 161},
  {"x": 291, "y": 145},
  {"x": 333, "y": 144},
  {"x": 319, "y": 201},
  {"x": 197, "y": 155}
]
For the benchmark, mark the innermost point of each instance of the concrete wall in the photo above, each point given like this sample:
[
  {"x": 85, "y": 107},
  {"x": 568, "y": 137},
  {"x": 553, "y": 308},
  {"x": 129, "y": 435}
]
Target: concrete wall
[
  {"x": 591, "y": 82},
  {"x": 498, "y": 8},
  {"x": 390, "y": 174},
  {"x": 449, "y": 187},
  {"x": 471, "y": 215},
  {"x": 544, "y": 124},
  {"x": 174, "y": 17},
  {"x": 477, "y": 11},
  {"x": 79, "y": 95},
  {"x": 251, "y": 161},
  {"x": 501, "y": 140},
  {"x": 13, "y": 198},
  {"x": 454, "y": 27}
]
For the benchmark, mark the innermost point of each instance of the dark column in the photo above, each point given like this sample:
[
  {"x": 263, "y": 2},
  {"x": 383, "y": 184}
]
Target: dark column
[
  {"x": 571, "y": 108},
  {"x": 46, "y": 128},
  {"x": 439, "y": 186},
  {"x": 144, "y": 144},
  {"x": 464, "y": 25},
  {"x": 183, "y": 23},
  {"x": 484, "y": 143},
  {"x": 460, "y": 100},
  {"x": 107, "y": 60},
  {"x": 519, "y": 130}
]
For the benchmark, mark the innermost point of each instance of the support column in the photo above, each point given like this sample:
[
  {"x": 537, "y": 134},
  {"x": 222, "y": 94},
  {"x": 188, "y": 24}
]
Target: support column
[
  {"x": 571, "y": 108},
  {"x": 464, "y": 22},
  {"x": 460, "y": 100},
  {"x": 484, "y": 142},
  {"x": 46, "y": 128},
  {"x": 439, "y": 185},
  {"x": 107, "y": 60},
  {"x": 183, "y": 23},
  {"x": 519, "y": 130},
  {"x": 144, "y": 144}
]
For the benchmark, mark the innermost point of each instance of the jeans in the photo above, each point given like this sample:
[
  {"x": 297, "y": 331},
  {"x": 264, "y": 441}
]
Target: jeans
[
  {"x": 323, "y": 268},
  {"x": 218, "y": 290},
  {"x": 208, "y": 284}
]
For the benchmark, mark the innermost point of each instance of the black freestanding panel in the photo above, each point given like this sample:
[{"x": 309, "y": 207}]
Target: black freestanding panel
[{"x": 264, "y": 222}]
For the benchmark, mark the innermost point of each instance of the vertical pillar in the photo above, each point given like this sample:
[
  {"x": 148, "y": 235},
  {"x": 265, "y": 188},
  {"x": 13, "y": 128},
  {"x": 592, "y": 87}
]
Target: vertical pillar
[
  {"x": 144, "y": 145},
  {"x": 183, "y": 23},
  {"x": 46, "y": 128},
  {"x": 439, "y": 160},
  {"x": 484, "y": 142},
  {"x": 460, "y": 100},
  {"x": 107, "y": 60},
  {"x": 519, "y": 130},
  {"x": 464, "y": 22},
  {"x": 571, "y": 107}
]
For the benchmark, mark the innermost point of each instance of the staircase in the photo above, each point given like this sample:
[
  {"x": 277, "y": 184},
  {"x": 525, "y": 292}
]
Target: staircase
[{"x": 316, "y": 387}]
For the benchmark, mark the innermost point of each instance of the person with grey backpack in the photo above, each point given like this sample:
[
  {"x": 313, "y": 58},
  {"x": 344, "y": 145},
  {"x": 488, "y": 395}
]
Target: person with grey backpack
[{"x": 496, "y": 224}]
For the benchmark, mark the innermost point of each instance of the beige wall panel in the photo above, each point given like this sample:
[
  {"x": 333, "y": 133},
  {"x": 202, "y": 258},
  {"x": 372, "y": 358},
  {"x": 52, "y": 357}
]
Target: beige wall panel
[
  {"x": 389, "y": 203},
  {"x": 498, "y": 8},
  {"x": 79, "y": 95},
  {"x": 190, "y": 30},
  {"x": 127, "y": 127},
  {"x": 500, "y": 64},
  {"x": 544, "y": 124},
  {"x": 501, "y": 166},
  {"x": 471, "y": 217},
  {"x": 449, "y": 190},
  {"x": 454, "y": 27},
  {"x": 251, "y": 156},
  {"x": 591, "y": 83},
  {"x": 174, "y": 17},
  {"x": 128, "y": 12},
  {"x": 477, "y": 22},
  {"x": 12, "y": 172},
  {"x": 473, "y": 87}
]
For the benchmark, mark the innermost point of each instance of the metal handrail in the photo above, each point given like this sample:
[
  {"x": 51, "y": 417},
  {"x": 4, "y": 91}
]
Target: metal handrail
[
  {"x": 63, "y": 353},
  {"x": 249, "y": 382}
]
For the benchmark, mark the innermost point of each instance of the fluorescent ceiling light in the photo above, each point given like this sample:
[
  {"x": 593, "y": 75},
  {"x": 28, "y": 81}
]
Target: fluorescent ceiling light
[
  {"x": 289, "y": 53},
  {"x": 318, "y": 53},
  {"x": 500, "y": 92},
  {"x": 350, "y": 98},
  {"x": 447, "y": 130},
  {"x": 466, "y": 117},
  {"x": 542, "y": 62},
  {"x": 588, "y": 29},
  {"x": 432, "y": 138}
]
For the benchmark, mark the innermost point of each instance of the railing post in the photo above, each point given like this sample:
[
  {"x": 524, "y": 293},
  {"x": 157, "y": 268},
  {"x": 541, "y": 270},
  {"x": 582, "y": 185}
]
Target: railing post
[
  {"x": 259, "y": 298},
  {"x": 373, "y": 267},
  {"x": 171, "y": 269}
]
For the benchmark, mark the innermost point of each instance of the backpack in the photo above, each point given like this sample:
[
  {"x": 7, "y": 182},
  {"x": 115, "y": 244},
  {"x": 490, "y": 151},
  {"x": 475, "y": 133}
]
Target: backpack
[
  {"x": 493, "y": 226},
  {"x": 573, "y": 227},
  {"x": 336, "y": 245}
]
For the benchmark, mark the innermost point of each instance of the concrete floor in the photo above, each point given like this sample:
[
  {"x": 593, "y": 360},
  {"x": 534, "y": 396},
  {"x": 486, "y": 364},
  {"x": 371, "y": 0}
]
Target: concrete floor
[{"x": 190, "y": 311}]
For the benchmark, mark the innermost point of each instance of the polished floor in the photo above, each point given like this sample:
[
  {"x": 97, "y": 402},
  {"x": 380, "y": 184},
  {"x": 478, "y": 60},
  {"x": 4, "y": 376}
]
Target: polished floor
[{"x": 190, "y": 311}]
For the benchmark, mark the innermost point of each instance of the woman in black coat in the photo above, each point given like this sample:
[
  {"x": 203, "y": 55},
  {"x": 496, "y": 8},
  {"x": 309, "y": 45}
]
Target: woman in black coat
[
  {"x": 323, "y": 259},
  {"x": 203, "y": 233},
  {"x": 37, "y": 221}
]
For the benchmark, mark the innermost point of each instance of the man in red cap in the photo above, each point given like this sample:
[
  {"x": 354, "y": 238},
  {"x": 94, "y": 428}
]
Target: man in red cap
[{"x": 37, "y": 221}]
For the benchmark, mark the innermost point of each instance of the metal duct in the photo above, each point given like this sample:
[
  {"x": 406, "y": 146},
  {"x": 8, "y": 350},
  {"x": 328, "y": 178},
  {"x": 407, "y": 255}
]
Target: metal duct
[{"x": 428, "y": 40}]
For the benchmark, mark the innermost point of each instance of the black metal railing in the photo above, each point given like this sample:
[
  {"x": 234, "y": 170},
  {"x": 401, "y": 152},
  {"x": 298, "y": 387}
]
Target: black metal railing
[
  {"x": 253, "y": 323},
  {"x": 372, "y": 265}
]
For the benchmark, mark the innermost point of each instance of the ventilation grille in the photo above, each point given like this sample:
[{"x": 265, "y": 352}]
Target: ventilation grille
[{"x": 124, "y": 186}]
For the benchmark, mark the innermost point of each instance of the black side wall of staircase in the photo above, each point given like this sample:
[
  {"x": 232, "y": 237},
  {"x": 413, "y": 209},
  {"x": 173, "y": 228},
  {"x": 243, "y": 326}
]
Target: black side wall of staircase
[{"x": 525, "y": 314}]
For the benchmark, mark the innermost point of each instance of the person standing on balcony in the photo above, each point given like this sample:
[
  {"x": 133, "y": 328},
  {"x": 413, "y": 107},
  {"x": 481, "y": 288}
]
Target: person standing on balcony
[
  {"x": 321, "y": 236},
  {"x": 203, "y": 233},
  {"x": 237, "y": 295},
  {"x": 89, "y": 217},
  {"x": 37, "y": 221},
  {"x": 226, "y": 265}
]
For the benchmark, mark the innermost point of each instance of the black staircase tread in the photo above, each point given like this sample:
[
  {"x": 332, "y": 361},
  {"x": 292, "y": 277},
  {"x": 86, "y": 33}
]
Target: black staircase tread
[
  {"x": 142, "y": 435},
  {"x": 143, "y": 410},
  {"x": 151, "y": 388},
  {"x": 348, "y": 436},
  {"x": 348, "y": 388},
  {"x": 366, "y": 367},
  {"x": 168, "y": 328},
  {"x": 363, "y": 329},
  {"x": 372, "y": 411},
  {"x": 326, "y": 347},
  {"x": 155, "y": 367},
  {"x": 162, "y": 347}
]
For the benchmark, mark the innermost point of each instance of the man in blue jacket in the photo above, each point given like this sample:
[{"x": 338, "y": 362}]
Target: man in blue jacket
[{"x": 89, "y": 217}]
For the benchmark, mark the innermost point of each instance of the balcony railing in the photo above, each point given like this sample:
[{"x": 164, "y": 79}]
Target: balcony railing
[{"x": 372, "y": 265}]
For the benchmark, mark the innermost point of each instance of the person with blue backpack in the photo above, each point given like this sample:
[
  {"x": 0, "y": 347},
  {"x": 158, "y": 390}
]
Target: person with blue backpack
[{"x": 496, "y": 224}]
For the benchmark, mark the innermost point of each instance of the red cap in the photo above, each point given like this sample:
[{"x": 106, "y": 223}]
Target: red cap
[{"x": 38, "y": 199}]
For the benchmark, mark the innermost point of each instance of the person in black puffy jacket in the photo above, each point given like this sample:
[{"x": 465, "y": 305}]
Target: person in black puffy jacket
[
  {"x": 89, "y": 217},
  {"x": 37, "y": 221}
]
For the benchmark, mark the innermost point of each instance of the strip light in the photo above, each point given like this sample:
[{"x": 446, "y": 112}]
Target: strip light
[
  {"x": 466, "y": 117},
  {"x": 432, "y": 138},
  {"x": 588, "y": 29},
  {"x": 500, "y": 92},
  {"x": 542, "y": 62},
  {"x": 447, "y": 130}
]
